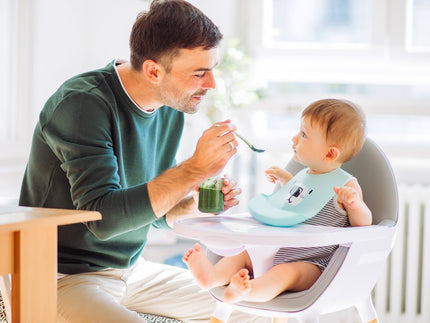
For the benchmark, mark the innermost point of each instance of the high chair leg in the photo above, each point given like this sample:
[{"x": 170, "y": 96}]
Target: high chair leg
[
  {"x": 366, "y": 310},
  {"x": 213, "y": 319},
  {"x": 309, "y": 317},
  {"x": 221, "y": 313}
]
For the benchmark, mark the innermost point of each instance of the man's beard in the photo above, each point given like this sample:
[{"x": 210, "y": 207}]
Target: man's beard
[{"x": 185, "y": 104}]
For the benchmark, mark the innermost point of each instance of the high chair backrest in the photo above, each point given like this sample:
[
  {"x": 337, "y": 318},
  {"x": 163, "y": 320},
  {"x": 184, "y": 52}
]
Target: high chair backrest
[{"x": 371, "y": 163}]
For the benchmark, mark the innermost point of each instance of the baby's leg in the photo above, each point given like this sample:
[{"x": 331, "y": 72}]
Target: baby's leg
[
  {"x": 208, "y": 275},
  {"x": 295, "y": 276}
]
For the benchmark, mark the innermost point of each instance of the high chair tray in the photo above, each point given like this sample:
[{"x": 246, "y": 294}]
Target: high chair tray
[{"x": 235, "y": 231}]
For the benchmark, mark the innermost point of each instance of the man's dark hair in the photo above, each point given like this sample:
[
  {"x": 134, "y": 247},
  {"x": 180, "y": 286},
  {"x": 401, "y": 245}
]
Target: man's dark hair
[{"x": 168, "y": 26}]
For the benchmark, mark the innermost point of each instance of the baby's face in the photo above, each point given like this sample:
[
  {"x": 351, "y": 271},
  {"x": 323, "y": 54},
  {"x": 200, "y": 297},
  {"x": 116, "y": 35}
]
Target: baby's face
[{"x": 309, "y": 145}]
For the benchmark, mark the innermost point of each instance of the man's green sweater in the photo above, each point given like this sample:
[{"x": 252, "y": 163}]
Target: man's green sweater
[{"x": 94, "y": 149}]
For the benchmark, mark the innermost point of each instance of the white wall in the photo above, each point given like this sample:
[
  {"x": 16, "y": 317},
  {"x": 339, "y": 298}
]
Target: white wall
[{"x": 73, "y": 36}]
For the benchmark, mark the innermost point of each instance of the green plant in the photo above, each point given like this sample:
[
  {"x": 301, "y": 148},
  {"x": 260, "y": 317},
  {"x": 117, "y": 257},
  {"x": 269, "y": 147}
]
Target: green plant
[{"x": 233, "y": 87}]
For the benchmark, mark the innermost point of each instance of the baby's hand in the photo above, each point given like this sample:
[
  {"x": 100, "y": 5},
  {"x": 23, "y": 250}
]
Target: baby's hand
[
  {"x": 348, "y": 196},
  {"x": 271, "y": 174},
  {"x": 275, "y": 174}
]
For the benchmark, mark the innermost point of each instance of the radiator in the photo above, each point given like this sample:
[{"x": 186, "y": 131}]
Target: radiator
[{"x": 402, "y": 294}]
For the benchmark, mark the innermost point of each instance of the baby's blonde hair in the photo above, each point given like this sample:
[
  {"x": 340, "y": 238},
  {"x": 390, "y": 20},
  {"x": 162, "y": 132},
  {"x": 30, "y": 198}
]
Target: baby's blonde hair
[{"x": 343, "y": 123}]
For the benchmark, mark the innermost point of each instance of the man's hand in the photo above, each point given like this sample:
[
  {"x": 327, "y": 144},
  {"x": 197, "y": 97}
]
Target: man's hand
[
  {"x": 231, "y": 191},
  {"x": 214, "y": 149}
]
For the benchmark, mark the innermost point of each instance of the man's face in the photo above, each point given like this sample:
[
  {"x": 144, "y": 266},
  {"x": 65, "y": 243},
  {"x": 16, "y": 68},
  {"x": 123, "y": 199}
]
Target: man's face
[{"x": 189, "y": 78}]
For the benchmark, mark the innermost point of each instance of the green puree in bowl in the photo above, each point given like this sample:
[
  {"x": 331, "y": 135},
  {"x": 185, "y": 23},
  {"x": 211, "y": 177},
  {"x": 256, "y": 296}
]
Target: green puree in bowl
[{"x": 211, "y": 198}]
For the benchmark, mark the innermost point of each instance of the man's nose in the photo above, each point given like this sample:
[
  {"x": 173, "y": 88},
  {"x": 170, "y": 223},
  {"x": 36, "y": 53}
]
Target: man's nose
[{"x": 209, "y": 80}]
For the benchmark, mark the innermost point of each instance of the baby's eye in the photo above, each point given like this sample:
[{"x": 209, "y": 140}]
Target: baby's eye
[
  {"x": 200, "y": 75},
  {"x": 303, "y": 134}
]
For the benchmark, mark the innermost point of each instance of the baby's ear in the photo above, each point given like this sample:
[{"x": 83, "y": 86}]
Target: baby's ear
[{"x": 333, "y": 153}]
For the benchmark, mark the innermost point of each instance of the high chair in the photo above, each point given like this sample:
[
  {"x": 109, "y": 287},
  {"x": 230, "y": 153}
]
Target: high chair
[{"x": 354, "y": 268}]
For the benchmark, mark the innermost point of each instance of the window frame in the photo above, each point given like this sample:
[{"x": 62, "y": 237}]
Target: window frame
[
  {"x": 409, "y": 31},
  {"x": 386, "y": 61}
]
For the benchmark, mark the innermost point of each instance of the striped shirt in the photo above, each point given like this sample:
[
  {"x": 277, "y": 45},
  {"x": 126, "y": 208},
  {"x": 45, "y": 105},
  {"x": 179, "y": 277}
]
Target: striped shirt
[{"x": 330, "y": 215}]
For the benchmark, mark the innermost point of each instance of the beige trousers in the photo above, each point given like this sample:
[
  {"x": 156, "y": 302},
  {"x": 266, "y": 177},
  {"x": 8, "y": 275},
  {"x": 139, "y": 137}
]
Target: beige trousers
[{"x": 117, "y": 296}]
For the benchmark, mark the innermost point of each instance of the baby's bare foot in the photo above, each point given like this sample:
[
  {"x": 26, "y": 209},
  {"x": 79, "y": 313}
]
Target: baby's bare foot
[
  {"x": 200, "y": 266},
  {"x": 238, "y": 288}
]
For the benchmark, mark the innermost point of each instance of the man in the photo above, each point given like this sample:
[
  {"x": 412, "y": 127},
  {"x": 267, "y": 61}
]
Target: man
[{"x": 106, "y": 140}]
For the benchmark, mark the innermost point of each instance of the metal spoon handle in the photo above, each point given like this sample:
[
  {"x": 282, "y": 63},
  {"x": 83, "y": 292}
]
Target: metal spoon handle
[{"x": 248, "y": 143}]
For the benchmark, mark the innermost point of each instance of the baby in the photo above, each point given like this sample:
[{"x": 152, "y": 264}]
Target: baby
[{"x": 332, "y": 132}]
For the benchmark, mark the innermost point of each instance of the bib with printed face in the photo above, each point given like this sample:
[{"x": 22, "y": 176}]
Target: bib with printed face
[{"x": 299, "y": 199}]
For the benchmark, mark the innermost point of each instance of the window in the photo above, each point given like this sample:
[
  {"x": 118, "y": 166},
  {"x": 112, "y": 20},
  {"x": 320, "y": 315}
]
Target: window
[
  {"x": 373, "y": 52},
  {"x": 418, "y": 26},
  {"x": 340, "y": 23},
  {"x": 318, "y": 22},
  {"x": 342, "y": 45}
]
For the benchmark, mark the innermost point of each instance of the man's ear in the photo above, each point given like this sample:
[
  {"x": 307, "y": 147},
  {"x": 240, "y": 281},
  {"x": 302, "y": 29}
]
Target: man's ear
[
  {"x": 152, "y": 70},
  {"x": 333, "y": 153}
]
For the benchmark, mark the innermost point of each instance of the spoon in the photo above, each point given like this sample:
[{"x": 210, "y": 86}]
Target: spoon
[{"x": 249, "y": 144}]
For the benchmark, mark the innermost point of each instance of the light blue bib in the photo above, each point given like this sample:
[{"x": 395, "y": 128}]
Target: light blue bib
[{"x": 299, "y": 199}]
